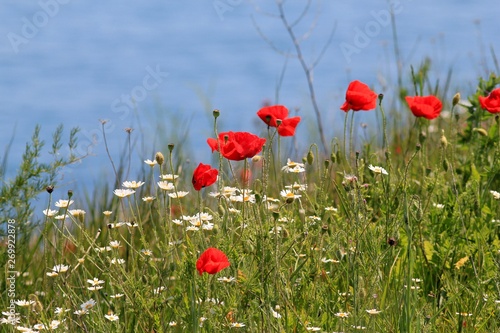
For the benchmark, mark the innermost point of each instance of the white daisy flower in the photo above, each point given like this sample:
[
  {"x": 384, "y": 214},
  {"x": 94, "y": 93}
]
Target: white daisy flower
[
  {"x": 24, "y": 303},
  {"x": 50, "y": 212},
  {"x": 178, "y": 194},
  {"x": 63, "y": 203},
  {"x": 95, "y": 282},
  {"x": 132, "y": 184},
  {"x": 150, "y": 163},
  {"x": 165, "y": 185},
  {"x": 122, "y": 193},
  {"x": 111, "y": 316},
  {"x": 293, "y": 167},
  {"x": 169, "y": 177},
  {"x": 377, "y": 169},
  {"x": 88, "y": 305}
]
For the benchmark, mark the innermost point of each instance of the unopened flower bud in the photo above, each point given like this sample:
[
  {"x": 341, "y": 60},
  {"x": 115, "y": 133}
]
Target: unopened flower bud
[
  {"x": 170, "y": 147},
  {"x": 310, "y": 157},
  {"x": 289, "y": 200},
  {"x": 444, "y": 142},
  {"x": 456, "y": 99},
  {"x": 216, "y": 113},
  {"x": 159, "y": 158},
  {"x": 49, "y": 189},
  {"x": 422, "y": 137},
  {"x": 327, "y": 163},
  {"x": 257, "y": 186},
  {"x": 333, "y": 158},
  {"x": 221, "y": 210},
  {"x": 445, "y": 165},
  {"x": 481, "y": 131},
  {"x": 70, "y": 194}
]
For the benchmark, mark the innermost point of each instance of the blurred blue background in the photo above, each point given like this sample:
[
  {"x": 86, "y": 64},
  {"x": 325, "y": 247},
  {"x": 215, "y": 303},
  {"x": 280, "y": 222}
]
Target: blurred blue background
[{"x": 75, "y": 62}]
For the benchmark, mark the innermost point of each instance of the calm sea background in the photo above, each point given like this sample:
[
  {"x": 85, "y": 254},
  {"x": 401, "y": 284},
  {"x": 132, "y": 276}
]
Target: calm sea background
[{"x": 74, "y": 62}]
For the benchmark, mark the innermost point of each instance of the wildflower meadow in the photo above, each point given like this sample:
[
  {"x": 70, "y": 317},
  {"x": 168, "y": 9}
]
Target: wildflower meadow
[{"x": 394, "y": 231}]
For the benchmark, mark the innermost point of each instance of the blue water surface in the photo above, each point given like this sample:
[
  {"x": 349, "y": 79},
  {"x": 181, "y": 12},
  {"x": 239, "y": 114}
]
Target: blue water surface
[{"x": 75, "y": 62}]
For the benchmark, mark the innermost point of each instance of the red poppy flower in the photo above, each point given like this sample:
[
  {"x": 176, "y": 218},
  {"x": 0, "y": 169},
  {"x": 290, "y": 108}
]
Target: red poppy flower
[
  {"x": 270, "y": 114},
  {"x": 203, "y": 176},
  {"x": 359, "y": 97},
  {"x": 237, "y": 146},
  {"x": 424, "y": 106},
  {"x": 212, "y": 261},
  {"x": 491, "y": 103}
]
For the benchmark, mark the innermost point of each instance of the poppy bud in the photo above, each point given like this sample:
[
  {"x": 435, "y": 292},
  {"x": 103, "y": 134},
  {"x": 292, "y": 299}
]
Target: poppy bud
[
  {"x": 257, "y": 186},
  {"x": 70, "y": 194},
  {"x": 456, "y": 99},
  {"x": 159, "y": 158},
  {"x": 327, "y": 164},
  {"x": 444, "y": 142},
  {"x": 221, "y": 210},
  {"x": 170, "y": 147},
  {"x": 445, "y": 165},
  {"x": 333, "y": 158},
  {"x": 421, "y": 137},
  {"x": 481, "y": 131},
  {"x": 310, "y": 157},
  {"x": 256, "y": 158}
]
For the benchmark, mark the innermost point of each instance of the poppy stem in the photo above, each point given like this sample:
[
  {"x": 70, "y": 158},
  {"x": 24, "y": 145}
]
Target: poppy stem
[
  {"x": 351, "y": 130},
  {"x": 345, "y": 136}
]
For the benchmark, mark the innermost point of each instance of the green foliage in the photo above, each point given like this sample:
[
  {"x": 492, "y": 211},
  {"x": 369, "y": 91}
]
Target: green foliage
[{"x": 34, "y": 175}]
